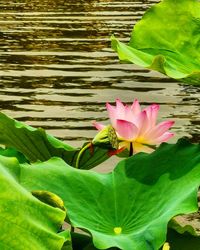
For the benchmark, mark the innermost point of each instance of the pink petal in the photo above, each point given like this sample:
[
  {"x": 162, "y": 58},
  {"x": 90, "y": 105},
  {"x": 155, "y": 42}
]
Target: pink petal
[
  {"x": 135, "y": 107},
  {"x": 143, "y": 123},
  {"x": 119, "y": 103},
  {"x": 126, "y": 130},
  {"x": 129, "y": 115},
  {"x": 159, "y": 130},
  {"x": 112, "y": 114},
  {"x": 165, "y": 137},
  {"x": 152, "y": 113},
  {"x": 120, "y": 109},
  {"x": 98, "y": 126}
]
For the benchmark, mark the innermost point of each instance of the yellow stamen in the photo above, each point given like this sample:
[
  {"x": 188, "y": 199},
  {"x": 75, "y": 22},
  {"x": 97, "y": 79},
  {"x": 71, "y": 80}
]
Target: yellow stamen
[{"x": 117, "y": 230}]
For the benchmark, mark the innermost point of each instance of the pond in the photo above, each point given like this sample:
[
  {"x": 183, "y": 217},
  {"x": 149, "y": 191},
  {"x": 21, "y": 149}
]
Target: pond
[{"x": 58, "y": 68}]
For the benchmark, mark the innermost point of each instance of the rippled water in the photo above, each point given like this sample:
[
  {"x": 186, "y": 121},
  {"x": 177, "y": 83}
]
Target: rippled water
[{"x": 58, "y": 68}]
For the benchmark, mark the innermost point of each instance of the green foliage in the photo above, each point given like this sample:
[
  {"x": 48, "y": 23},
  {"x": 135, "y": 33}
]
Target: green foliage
[
  {"x": 181, "y": 229},
  {"x": 131, "y": 206},
  {"x": 26, "y": 222},
  {"x": 49, "y": 198},
  {"x": 11, "y": 152},
  {"x": 82, "y": 242},
  {"x": 182, "y": 236},
  {"x": 167, "y": 40},
  {"x": 37, "y": 145},
  {"x": 184, "y": 241}
]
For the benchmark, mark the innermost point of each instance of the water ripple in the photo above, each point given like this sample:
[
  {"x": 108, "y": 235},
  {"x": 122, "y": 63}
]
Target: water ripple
[{"x": 58, "y": 69}]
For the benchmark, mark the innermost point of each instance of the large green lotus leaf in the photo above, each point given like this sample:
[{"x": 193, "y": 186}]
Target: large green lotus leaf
[
  {"x": 37, "y": 145},
  {"x": 130, "y": 207},
  {"x": 26, "y": 223},
  {"x": 167, "y": 39}
]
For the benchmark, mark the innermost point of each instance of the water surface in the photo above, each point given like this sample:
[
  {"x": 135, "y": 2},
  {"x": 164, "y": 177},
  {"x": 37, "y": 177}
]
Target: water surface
[{"x": 58, "y": 68}]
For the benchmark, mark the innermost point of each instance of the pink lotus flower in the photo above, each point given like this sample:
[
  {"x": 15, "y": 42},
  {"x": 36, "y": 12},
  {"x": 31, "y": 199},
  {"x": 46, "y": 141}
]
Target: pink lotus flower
[{"x": 136, "y": 129}]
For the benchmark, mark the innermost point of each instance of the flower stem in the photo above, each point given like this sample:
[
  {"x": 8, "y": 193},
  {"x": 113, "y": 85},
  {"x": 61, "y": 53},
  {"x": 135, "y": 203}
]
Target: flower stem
[
  {"x": 131, "y": 149},
  {"x": 80, "y": 154}
]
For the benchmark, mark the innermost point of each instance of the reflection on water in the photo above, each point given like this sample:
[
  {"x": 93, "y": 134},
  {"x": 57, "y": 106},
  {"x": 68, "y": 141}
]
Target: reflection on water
[{"x": 58, "y": 70}]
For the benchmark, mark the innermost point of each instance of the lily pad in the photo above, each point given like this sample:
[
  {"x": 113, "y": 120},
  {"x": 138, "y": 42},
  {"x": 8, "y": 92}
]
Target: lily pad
[
  {"x": 167, "y": 39},
  {"x": 130, "y": 207},
  {"x": 26, "y": 222},
  {"x": 34, "y": 143},
  {"x": 37, "y": 145}
]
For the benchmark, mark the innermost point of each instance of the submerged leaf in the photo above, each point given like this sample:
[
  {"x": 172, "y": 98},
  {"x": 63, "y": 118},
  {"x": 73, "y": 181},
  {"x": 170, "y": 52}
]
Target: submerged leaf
[
  {"x": 26, "y": 222},
  {"x": 130, "y": 207},
  {"x": 167, "y": 40}
]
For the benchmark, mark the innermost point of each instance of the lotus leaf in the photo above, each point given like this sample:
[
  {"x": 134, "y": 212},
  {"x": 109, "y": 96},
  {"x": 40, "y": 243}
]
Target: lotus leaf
[
  {"x": 11, "y": 152},
  {"x": 167, "y": 39},
  {"x": 34, "y": 143},
  {"x": 26, "y": 222},
  {"x": 130, "y": 207},
  {"x": 37, "y": 145}
]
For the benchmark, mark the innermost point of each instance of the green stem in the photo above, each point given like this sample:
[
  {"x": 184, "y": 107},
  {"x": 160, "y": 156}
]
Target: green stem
[{"x": 80, "y": 154}]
